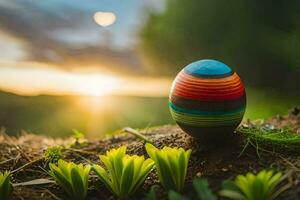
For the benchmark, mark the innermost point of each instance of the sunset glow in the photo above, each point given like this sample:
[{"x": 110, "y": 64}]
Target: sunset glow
[
  {"x": 28, "y": 79},
  {"x": 95, "y": 85}
]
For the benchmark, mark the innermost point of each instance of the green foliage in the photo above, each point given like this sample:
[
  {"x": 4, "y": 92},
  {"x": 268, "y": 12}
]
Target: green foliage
[
  {"x": 171, "y": 165},
  {"x": 53, "y": 154},
  {"x": 236, "y": 32},
  {"x": 269, "y": 137},
  {"x": 71, "y": 177},
  {"x": 202, "y": 188},
  {"x": 151, "y": 194},
  {"x": 252, "y": 187},
  {"x": 173, "y": 195},
  {"x": 5, "y": 185},
  {"x": 77, "y": 134},
  {"x": 124, "y": 174}
]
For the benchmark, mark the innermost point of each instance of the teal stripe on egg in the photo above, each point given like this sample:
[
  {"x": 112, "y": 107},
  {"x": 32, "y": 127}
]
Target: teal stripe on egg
[{"x": 197, "y": 112}]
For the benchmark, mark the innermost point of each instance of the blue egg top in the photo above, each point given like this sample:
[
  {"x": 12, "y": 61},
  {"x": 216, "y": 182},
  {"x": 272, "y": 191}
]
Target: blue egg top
[{"x": 208, "y": 69}]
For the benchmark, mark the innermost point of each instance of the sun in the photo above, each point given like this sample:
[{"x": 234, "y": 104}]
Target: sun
[
  {"x": 96, "y": 85},
  {"x": 95, "y": 90}
]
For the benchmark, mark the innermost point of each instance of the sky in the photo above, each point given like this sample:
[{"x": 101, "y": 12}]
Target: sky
[{"x": 46, "y": 41}]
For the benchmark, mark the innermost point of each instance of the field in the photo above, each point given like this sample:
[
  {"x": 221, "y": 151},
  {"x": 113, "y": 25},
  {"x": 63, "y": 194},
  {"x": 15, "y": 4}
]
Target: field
[{"x": 97, "y": 116}]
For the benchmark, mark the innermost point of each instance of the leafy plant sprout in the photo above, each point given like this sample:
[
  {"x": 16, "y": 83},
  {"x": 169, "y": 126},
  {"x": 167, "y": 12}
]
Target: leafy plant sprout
[
  {"x": 53, "y": 154},
  {"x": 151, "y": 195},
  {"x": 124, "y": 174},
  {"x": 171, "y": 165},
  {"x": 78, "y": 136},
  {"x": 173, "y": 195},
  {"x": 253, "y": 187},
  {"x": 71, "y": 177},
  {"x": 5, "y": 185},
  {"x": 200, "y": 185},
  {"x": 202, "y": 189}
]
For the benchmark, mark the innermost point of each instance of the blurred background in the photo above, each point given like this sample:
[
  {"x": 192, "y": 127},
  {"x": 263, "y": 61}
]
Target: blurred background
[{"x": 99, "y": 65}]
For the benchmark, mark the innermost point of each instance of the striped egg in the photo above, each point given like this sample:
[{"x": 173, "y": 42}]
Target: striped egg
[{"x": 207, "y": 99}]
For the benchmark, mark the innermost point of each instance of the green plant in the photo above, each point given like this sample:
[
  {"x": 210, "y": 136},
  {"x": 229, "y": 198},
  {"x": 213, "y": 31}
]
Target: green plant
[
  {"x": 173, "y": 195},
  {"x": 78, "y": 136},
  {"x": 5, "y": 185},
  {"x": 202, "y": 189},
  {"x": 124, "y": 174},
  {"x": 253, "y": 187},
  {"x": 171, "y": 165},
  {"x": 71, "y": 177},
  {"x": 267, "y": 136},
  {"x": 53, "y": 154},
  {"x": 151, "y": 195}
]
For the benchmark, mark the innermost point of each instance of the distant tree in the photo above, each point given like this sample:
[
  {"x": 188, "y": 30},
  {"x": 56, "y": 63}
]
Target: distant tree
[{"x": 258, "y": 38}]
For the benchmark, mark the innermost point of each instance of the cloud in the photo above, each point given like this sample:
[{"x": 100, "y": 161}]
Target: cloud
[{"x": 46, "y": 29}]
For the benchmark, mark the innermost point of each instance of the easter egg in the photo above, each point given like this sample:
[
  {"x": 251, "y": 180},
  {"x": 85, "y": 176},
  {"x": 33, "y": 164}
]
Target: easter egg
[{"x": 207, "y": 99}]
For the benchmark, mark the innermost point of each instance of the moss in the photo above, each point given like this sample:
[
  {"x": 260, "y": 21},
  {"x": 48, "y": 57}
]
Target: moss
[
  {"x": 269, "y": 137},
  {"x": 53, "y": 154}
]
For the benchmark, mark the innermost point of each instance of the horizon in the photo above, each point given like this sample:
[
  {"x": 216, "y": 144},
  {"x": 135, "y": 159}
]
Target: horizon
[{"x": 35, "y": 78}]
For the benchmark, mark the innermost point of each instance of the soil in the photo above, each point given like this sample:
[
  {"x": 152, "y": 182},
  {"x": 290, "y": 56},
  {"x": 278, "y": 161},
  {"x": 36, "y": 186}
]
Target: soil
[
  {"x": 215, "y": 162},
  {"x": 291, "y": 121}
]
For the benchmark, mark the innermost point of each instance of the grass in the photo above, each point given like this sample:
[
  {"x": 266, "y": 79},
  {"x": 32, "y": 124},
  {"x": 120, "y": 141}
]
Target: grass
[{"x": 278, "y": 139}]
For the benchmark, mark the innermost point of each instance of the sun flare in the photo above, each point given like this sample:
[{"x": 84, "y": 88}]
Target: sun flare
[{"x": 96, "y": 85}]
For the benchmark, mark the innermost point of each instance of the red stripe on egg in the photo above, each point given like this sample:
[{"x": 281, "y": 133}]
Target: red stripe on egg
[{"x": 217, "y": 89}]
